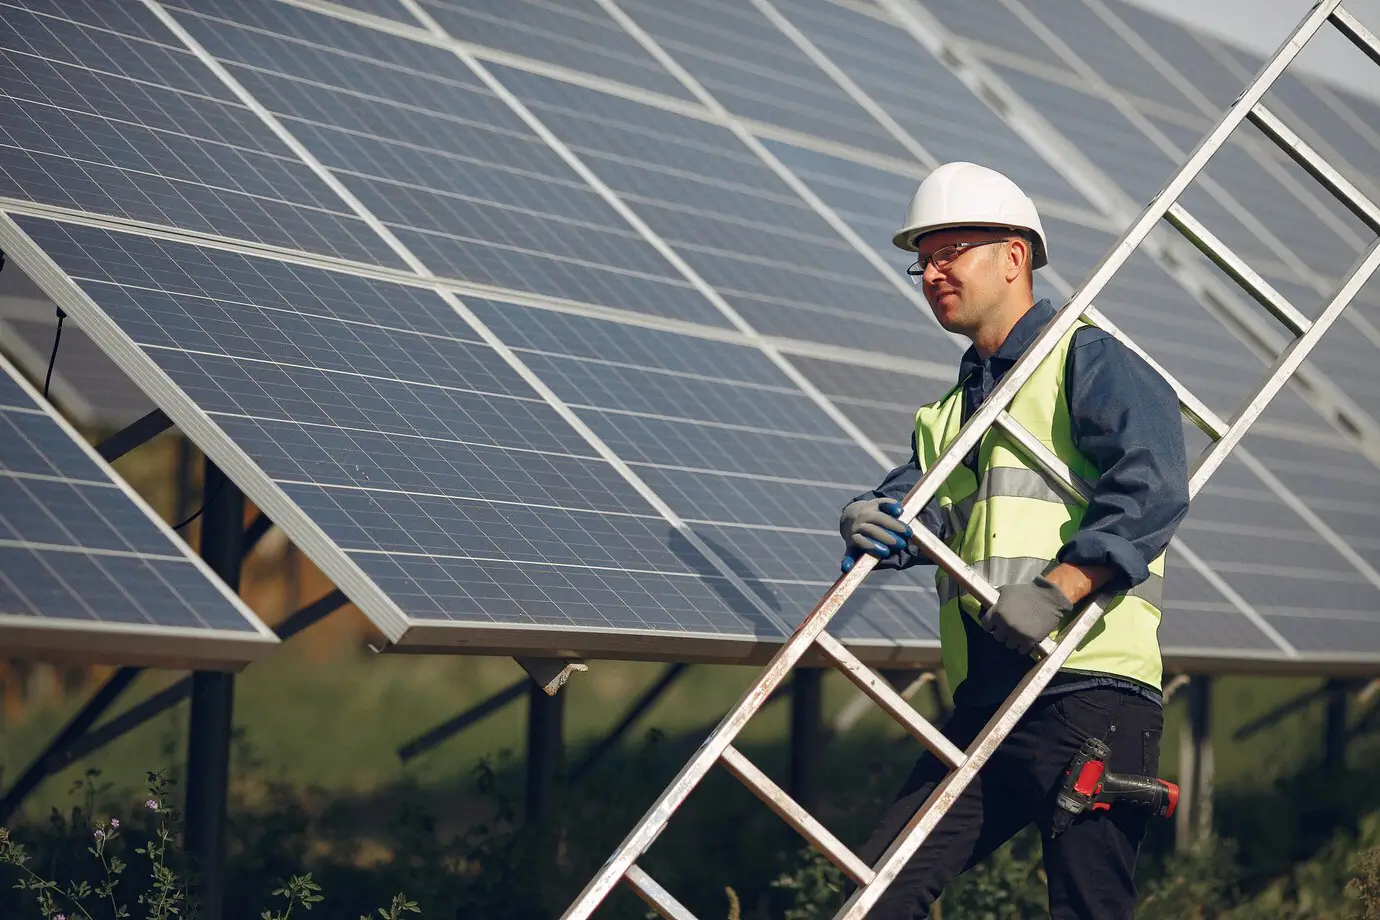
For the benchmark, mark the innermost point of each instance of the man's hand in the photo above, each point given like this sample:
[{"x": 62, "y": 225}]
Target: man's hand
[
  {"x": 872, "y": 525},
  {"x": 1024, "y": 614}
]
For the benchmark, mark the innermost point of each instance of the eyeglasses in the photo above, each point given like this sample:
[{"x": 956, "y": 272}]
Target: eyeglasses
[{"x": 943, "y": 257}]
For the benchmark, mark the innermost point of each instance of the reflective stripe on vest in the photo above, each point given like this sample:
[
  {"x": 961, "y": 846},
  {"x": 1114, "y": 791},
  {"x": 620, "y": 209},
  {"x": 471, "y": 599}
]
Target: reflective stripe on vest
[{"x": 1009, "y": 521}]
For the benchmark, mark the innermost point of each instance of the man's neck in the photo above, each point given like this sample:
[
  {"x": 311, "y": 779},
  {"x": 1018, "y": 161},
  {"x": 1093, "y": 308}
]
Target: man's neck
[{"x": 991, "y": 336}]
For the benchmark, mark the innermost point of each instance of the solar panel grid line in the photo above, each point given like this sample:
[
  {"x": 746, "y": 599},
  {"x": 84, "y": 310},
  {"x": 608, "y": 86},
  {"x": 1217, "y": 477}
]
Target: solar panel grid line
[
  {"x": 1260, "y": 152},
  {"x": 1098, "y": 86},
  {"x": 929, "y": 32},
  {"x": 667, "y": 251},
  {"x": 1305, "y": 511},
  {"x": 670, "y": 104},
  {"x": 418, "y": 33},
  {"x": 846, "y": 83},
  {"x": 98, "y": 157},
  {"x": 1335, "y": 103},
  {"x": 733, "y": 124}
]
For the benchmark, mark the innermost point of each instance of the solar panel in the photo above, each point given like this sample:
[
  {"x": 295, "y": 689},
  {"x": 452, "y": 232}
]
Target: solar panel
[
  {"x": 657, "y": 370},
  {"x": 87, "y": 572},
  {"x": 102, "y": 110}
]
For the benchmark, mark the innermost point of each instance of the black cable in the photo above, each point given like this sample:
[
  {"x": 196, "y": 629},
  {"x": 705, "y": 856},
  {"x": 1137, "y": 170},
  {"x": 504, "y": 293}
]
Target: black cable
[
  {"x": 198, "y": 511},
  {"x": 52, "y": 359}
]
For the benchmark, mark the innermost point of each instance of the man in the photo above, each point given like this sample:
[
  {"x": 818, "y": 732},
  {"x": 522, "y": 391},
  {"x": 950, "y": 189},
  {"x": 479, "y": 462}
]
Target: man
[{"x": 1115, "y": 422}]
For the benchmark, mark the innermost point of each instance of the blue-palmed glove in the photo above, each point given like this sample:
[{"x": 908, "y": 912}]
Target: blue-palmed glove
[
  {"x": 872, "y": 525},
  {"x": 1026, "y": 613}
]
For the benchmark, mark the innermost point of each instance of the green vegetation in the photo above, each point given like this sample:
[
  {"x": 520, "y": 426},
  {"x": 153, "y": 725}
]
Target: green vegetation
[{"x": 322, "y": 808}]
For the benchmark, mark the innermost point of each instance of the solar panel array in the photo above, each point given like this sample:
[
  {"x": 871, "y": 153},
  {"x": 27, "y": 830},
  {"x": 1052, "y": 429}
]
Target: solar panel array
[
  {"x": 569, "y": 326},
  {"x": 87, "y": 570}
]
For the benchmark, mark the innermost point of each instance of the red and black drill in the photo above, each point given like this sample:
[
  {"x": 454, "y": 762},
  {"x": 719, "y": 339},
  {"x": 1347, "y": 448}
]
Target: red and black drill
[{"x": 1089, "y": 786}]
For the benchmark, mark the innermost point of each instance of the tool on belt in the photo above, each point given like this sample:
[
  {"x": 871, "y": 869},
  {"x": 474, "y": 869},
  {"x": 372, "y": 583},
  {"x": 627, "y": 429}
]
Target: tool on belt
[{"x": 1089, "y": 786}]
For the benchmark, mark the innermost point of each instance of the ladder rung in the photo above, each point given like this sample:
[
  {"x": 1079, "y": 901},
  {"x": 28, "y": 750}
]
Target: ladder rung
[
  {"x": 1360, "y": 36},
  {"x": 1301, "y": 153},
  {"x": 1284, "y": 368},
  {"x": 1076, "y": 488},
  {"x": 1210, "y": 246},
  {"x": 794, "y": 814},
  {"x": 886, "y": 697},
  {"x": 1209, "y": 422},
  {"x": 659, "y": 898}
]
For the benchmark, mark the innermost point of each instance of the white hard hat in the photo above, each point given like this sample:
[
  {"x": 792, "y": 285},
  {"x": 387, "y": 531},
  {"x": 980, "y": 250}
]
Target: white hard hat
[{"x": 963, "y": 194}]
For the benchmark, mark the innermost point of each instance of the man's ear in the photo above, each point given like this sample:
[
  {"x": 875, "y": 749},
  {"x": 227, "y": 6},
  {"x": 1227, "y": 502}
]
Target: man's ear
[{"x": 1018, "y": 260}]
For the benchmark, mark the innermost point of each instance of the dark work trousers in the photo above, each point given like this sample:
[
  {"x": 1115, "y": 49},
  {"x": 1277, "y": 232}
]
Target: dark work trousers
[{"x": 1090, "y": 866}]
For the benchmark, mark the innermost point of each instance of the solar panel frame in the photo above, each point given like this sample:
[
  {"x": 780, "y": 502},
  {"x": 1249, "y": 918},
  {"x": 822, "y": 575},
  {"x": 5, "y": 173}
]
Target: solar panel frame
[{"x": 75, "y": 531}]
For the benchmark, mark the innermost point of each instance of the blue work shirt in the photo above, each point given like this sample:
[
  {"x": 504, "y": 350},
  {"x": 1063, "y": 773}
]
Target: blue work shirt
[{"x": 1125, "y": 420}]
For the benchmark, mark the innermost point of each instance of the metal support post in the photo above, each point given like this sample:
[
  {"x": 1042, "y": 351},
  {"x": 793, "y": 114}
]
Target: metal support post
[
  {"x": 1193, "y": 819},
  {"x": 173, "y": 694},
  {"x": 479, "y": 711},
  {"x": 545, "y": 714},
  {"x": 58, "y": 753},
  {"x": 807, "y": 735},
  {"x": 183, "y": 498},
  {"x": 208, "y": 746},
  {"x": 136, "y": 433},
  {"x": 1335, "y": 734},
  {"x": 256, "y": 531},
  {"x": 634, "y": 712}
]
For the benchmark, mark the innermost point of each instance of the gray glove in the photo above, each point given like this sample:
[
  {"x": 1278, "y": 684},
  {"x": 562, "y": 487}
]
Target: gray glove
[
  {"x": 872, "y": 525},
  {"x": 1026, "y": 613}
]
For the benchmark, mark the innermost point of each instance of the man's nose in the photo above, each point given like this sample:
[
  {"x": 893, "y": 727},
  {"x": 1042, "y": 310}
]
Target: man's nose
[{"x": 932, "y": 274}]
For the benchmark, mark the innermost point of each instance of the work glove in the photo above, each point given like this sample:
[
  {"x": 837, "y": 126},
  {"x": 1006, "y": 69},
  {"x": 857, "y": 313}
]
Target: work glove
[
  {"x": 872, "y": 525},
  {"x": 1026, "y": 613}
]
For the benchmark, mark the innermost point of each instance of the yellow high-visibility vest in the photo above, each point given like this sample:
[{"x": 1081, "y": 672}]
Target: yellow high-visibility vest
[{"x": 1010, "y": 520}]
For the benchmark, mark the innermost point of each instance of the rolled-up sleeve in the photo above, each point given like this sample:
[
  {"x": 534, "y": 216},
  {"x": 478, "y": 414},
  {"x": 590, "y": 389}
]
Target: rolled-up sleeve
[
  {"x": 1126, "y": 421},
  {"x": 896, "y": 485}
]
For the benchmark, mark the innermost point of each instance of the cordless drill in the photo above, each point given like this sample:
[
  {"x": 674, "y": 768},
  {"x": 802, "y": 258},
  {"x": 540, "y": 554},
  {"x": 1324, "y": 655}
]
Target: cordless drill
[{"x": 1089, "y": 786}]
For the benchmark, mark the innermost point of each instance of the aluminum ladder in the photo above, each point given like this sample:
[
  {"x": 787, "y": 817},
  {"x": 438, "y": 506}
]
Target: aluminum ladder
[{"x": 873, "y": 880}]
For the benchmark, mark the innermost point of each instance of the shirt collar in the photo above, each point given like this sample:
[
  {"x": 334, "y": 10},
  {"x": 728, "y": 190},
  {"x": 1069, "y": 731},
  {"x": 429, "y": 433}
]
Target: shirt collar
[{"x": 1016, "y": 342}]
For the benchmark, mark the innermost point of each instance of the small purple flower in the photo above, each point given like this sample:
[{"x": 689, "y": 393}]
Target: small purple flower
[
  {"x": 151, "y": 804},
  {"x": 114, "y": 824},
  {"x": 100, "y": 834},
  {"x": 59, "y": 917}
]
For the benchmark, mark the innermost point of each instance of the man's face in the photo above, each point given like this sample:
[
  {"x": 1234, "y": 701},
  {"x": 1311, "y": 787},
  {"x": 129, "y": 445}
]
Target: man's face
[{"x": 971, "y": 284}]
